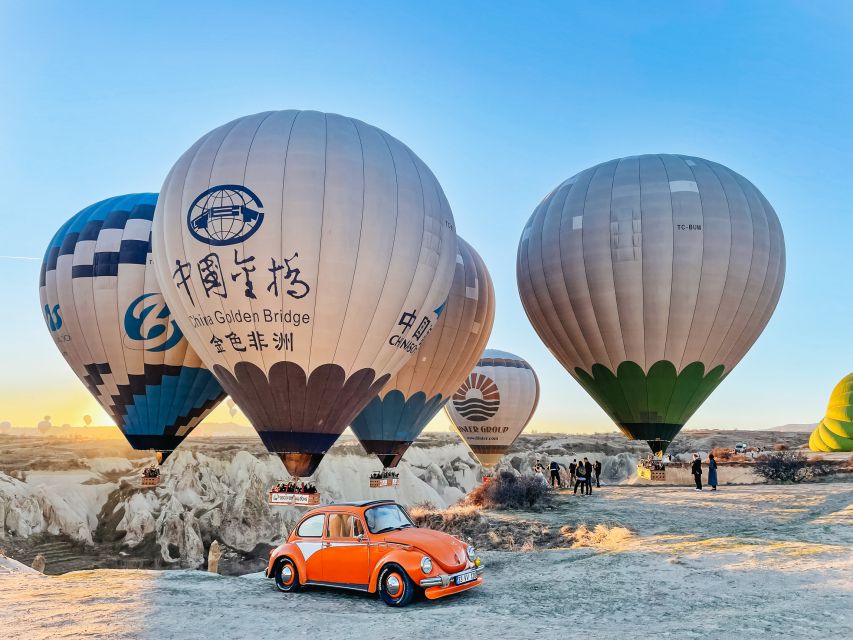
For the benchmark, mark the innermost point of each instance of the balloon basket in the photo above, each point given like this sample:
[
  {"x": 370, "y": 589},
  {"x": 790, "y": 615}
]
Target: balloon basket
[
  {"x": 486, "y": 480},
  {"x": 380, "y": 483},
  {"x": 151, "y": 477},
  {"x": 293, "y": 499},
  {"x": 651, "y": 473}
]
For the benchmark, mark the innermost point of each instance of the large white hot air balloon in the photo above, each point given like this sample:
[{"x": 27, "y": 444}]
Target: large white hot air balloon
[
  {"x": 103, "y": 308},
  {"x": 306, "y": 256},
  {"x": 649, "y": 278},
  {"x": 393, "y": 419},
  {"x": 494, "y": 404}
]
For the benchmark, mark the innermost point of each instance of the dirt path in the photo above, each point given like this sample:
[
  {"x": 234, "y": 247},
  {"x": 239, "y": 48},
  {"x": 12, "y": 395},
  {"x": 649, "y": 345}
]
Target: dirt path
[{"x": 745, "y": 562}]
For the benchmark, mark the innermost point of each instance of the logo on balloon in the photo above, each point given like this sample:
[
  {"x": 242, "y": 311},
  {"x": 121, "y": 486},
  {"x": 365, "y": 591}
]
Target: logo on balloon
[
  {"x": 54, "y": 320},
  {"x": 223, "y": 215},
  {"x": 478, "y": 398},
  {"x": 154, "y": 329}
]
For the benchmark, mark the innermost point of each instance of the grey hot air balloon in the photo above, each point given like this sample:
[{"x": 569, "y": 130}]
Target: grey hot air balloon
[
  {"x": 305, "y": 255},
  {"x": 649, "y": 278},
  {"x": 392, "y": 420}
]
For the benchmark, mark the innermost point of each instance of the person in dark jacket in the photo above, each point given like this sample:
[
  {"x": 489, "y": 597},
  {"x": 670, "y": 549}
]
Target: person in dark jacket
[
  {"x": 587, "y": 467},
  {"x": 573, "y": 467},
  {"x": 696, "y": 468},
  {"x": 580, "y": 480},
  {"x": 555, "y": 474},
  {"x": 597, "y": 469},
  {"x": 712, "y": 472}
]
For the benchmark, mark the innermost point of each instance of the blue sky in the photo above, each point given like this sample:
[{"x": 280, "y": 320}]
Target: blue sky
[{"x": 503, "y": 101}]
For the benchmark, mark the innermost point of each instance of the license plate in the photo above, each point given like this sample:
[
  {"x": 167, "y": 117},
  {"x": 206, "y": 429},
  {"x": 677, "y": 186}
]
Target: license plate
[{"x": 468, "y": 576}]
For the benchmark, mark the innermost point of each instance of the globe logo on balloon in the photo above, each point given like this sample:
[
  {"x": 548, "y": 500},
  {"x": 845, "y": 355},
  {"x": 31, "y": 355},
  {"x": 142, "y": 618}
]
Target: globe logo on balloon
[
  {"x": 225, "y": 214},
  {"x": 148, "y": 325},
  {"x": 478, "y": 398}
]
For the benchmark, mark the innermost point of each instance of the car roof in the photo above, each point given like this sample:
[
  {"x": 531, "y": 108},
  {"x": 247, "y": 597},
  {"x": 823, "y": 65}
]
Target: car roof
[{"x": 360, "y": 504}]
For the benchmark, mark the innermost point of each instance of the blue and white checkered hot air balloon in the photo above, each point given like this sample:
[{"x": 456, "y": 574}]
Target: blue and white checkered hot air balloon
[{"x": 105, "y": 312}]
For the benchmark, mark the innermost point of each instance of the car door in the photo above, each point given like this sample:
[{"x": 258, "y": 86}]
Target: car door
[
  {"x": 310, "y": 542},
  {"x": 347, "y": 552}
]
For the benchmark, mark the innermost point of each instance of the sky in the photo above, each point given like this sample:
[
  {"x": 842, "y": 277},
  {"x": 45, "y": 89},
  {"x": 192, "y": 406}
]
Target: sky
[{"x": 502, "y": 101}]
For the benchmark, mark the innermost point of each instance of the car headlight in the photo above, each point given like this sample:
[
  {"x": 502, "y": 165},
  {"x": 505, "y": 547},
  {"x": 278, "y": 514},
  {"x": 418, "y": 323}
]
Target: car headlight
[
  {"x": 471, "y": 553},
  {"x": 426, "y": 564}
]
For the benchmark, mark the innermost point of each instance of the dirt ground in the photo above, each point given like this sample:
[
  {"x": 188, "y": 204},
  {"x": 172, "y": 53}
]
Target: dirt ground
[{"x": 751, "y": 561}]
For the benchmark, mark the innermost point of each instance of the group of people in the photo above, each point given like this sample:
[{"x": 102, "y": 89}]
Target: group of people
[
  {"x": 385, "y": 473},
  {"x": 696, "y": 469},
  {"x": 151, "y": 472},
  {"x": 581, "y": 474},
  {"x": 294, "y": 487}
]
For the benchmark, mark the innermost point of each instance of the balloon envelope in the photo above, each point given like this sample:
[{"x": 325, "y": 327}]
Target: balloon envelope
[
  {"x": 306, "y": 256},
  {"x": 410, "y": 399},
  {"x": 105, "y": 312},
  {"x": 494, "y": 404},
  {"x": 648, "y": 278},
  {"x": 835, "y": 431}
]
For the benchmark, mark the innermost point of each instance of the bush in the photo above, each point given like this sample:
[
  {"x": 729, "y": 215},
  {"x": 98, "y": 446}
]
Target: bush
[
  {"x": 789, "y": 466},
  {"x": 722, "y": 453},
  {"x": 509, "y": 491},
  {"x": 780, "y": 446}
]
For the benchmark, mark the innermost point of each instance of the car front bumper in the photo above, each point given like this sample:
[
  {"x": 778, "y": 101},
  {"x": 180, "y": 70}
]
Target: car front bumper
[{"x": 445, "y": 580}]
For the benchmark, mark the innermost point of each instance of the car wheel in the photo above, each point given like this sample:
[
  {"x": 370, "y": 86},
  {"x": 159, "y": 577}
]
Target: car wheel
[
  {"x": 286, "y": 576},
  {"x": 395, "y": 586}
]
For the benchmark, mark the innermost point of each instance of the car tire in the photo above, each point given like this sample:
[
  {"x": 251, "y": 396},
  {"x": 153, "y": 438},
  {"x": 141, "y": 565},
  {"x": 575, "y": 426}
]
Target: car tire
[
  {"x": 286, "y": 576},
  {"x": 395, "y": 586}
]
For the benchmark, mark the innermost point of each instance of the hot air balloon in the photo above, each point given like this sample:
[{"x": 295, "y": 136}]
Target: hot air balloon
[
  {"x": 87, "y": 419},
  {"x": 494, "y": 404},
  {"x": 649, "y": 278},
  {"x": 835, "y": 431},
  {"x": 105, "y": 312},
  {"x": 5, "y": 426},
  {"x": 306, "y": 256},
  {"x": 44, "y": 425},
  {"x": 232, "y": 407},
  {"x": 393, "y": 419}
]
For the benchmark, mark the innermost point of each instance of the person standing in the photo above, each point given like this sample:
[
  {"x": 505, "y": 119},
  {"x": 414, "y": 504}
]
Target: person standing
[
  {"x": 587, "y": 468},
  {"x": 573, "y": 467},
  {"x": 712, "y": 472},
  {"x": 696, "y": 468},
  {"x": 597, "y": 469},
  {"x": 580, "y": 481},
  {"x": 555, "y": 474}
]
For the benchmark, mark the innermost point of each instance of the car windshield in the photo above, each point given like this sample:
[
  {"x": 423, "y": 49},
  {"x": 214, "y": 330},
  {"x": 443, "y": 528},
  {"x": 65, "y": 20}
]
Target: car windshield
[{"x": 386, "y": 517}]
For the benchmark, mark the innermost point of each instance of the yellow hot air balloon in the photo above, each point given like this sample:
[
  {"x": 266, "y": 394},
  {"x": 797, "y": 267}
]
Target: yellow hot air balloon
[
  {"x": 306, "y": 256},
  {"x": 394, "y": 419},
  {"x": 835, "y": 431},
  {"x": 494, "y": 404}
]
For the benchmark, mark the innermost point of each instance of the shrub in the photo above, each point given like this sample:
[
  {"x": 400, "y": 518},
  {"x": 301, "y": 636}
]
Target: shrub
[
  {"x": 780, "y": 446},
  {"x": 789, "y": 466},
  {"x": 509, "y": 491},
  {"x": 722, "y": 453}
]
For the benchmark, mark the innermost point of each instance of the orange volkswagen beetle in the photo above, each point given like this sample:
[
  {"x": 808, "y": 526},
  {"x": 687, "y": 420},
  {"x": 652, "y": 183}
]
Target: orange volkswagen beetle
[{"x": 373, "y": 546}]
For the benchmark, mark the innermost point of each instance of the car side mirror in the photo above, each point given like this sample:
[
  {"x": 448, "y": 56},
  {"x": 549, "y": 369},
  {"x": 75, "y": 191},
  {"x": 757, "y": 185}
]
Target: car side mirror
[{"x": 360, "y": 537}]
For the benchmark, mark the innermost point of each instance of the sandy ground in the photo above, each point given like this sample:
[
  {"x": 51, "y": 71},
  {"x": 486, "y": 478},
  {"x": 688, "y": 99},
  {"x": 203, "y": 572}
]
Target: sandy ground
[{"x": 759, "y": 561}]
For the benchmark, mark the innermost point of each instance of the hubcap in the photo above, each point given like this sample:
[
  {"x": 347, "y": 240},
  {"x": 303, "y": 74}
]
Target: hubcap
[{"x": 394, "y": 585}]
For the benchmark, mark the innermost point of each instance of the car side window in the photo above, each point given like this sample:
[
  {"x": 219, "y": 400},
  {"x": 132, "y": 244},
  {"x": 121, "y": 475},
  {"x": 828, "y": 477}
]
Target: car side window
[
  {"x": 343, "y": 525},
  {"x": 312, "y": 527}
]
